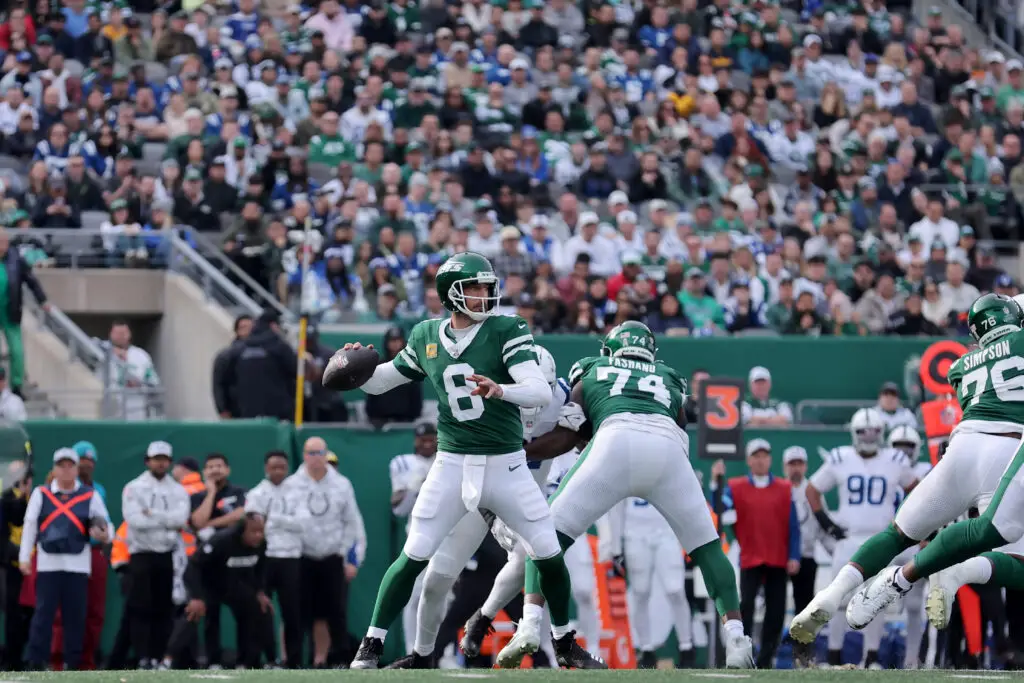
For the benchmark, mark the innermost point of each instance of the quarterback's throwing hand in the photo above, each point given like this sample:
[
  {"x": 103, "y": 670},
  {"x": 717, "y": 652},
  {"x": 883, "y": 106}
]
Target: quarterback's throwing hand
[{"x": 485, "y": 387}]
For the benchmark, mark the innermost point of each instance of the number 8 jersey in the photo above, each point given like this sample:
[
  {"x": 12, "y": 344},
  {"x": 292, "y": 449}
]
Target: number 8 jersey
[
  {"x": 868, "y": 488},
  {"x": 989, "y": 382},
  {"x": 624, "y": 385},
  {"x": 467, "y": 424}
]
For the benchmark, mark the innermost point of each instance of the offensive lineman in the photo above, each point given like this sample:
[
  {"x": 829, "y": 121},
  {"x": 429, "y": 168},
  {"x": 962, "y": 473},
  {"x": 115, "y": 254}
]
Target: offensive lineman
[
  {"x": 484, "y": 369},
  {"x": 980, "y": 449},
  {"x": 869, "y": 477},
  {"x": 635, "y": 405},
  {"x": 408, "y": 472},
  {"x": 460, "y": 545},
  {"x": 989, "y": 383}
]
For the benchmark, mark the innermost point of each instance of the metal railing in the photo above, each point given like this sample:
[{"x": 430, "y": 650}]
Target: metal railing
[
  {"x": 216, "y": 286},
  {"x": 999, "y": 20},
  {"x": 809, "y": 413}
]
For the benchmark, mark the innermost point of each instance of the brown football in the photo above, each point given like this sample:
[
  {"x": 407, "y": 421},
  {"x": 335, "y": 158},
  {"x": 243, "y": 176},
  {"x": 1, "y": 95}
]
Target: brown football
[{"x": 350, "y": 369}]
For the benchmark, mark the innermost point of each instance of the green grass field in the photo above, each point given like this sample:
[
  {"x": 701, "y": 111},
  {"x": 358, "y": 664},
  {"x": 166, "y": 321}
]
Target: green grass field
[{"x": 533, "y": 676}]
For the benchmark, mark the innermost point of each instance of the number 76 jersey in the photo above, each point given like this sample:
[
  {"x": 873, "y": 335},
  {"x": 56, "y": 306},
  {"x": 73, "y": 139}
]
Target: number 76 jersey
[
  {"x": 869, "y": 488},
  {"x": 989, "y": 382},
  {"x": 624, "y": 385}
]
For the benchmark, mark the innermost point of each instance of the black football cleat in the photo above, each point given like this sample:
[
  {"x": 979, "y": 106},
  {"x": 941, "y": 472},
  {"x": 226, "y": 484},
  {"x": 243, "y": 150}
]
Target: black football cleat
[
  {"x": 570, "y": 655},
  {"x": 686, "y": 660},
  {"x": 368, "y": 655},
  {"x": 477, "y": 628},
  {"x": 413, "y": 661},
  {"x": 648, "y": 660}
]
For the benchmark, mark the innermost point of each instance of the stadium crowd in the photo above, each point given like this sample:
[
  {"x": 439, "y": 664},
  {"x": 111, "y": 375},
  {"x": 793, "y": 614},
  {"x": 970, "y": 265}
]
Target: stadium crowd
[{"x": 709, "y": 167}]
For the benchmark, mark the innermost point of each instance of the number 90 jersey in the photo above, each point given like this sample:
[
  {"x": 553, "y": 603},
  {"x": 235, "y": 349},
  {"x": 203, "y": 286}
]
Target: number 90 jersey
[
  {"x": 624, "y": 385},
  {"x": 868, "y": 488},
  {"x": 989, "y": 382},
  {"x": 467, "y": 424}
]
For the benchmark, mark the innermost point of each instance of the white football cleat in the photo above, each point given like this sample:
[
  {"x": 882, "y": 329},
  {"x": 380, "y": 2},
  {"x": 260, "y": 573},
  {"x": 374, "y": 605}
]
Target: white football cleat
[
  {"x": 873, "y": 599},
  {"x": 739, "y": 653},
  {"x": 805, "y": 626},
  {"x": 941, "y": 594},
  {"x": 526, "y": 641}
]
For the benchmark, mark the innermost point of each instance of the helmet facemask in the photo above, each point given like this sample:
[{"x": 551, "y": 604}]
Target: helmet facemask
[
  {"x": 867, "y": 439},
  {"x": 459, "y": 298}
]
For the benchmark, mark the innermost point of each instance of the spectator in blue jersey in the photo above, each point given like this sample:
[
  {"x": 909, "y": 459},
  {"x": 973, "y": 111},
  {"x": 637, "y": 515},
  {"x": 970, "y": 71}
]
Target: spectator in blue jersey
[
  {"x": 408, "y": 265},
  {"x": 55, "y": 149},
  {"x": 657, "y": 34},
  {"x": 244, "y": 22}
]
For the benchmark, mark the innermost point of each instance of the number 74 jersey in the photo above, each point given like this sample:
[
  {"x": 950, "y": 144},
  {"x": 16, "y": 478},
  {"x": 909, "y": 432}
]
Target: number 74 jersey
[
  {"x": 624, "y": 385},
  {"x": 989, "y": 382},
  {"x": 869, "y": 488}
]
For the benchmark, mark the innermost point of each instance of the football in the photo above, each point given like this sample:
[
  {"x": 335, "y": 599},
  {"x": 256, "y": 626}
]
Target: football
[{"x": 350, "y": 369}]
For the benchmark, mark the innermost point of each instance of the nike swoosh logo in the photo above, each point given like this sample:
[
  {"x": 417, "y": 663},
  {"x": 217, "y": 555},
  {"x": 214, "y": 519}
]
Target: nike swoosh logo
[
  {"x": 513, "y": 469},
  {"x": 522, "y": 326}
]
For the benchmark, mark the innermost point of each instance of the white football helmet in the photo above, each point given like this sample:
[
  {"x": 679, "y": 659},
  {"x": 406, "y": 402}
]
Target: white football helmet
[
  {"x": 906, "y": 439},
  {"x": 547, "y": 365},
  {"x": 867, "y": 430}
]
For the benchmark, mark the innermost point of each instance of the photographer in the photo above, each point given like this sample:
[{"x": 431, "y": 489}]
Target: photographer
[
  {"x": 231, "y": 566},
  {"x": 13, "y": 504}
]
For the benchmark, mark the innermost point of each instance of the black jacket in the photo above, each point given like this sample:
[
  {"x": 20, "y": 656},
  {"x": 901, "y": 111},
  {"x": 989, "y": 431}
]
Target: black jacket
[
  {"x": 402, "y": 404},
  {"x": 906, "y": 325},
  {"x": 223, "y": 387},
  {"x": 85, "y": 196},
  {"x": 19, "y": 274},
  {"x": 226, "y": 564},
  {"x": 41, "y": 219},
  {"x": 12, "y": 518},
  {"x": 261, "y": 373},
  {"x": 200, "y": 215}
]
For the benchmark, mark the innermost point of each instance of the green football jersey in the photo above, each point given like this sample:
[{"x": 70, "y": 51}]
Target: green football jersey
[
  {"x": 989, "y": 382},
  {"x": 623, "y": 385},
  {"x": 470, "y": 425}
]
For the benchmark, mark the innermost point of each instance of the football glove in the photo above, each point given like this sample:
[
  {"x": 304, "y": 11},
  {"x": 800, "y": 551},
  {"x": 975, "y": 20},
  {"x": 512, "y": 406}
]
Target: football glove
[
  {"x": 572, "y": 417},
  {"x": 619, "y": 566},
  {"x": 828, "y": 526},
  {"x": 505, "y": 537}
]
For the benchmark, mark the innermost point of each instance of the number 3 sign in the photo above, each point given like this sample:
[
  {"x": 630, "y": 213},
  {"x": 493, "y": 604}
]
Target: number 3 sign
[{"x": 719, "y": 424}]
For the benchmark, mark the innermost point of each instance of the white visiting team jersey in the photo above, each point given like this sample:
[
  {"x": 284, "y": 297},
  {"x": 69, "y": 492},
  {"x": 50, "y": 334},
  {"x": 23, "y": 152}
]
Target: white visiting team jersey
[
  {"x": 869, "y": 488},
  {"x": 643, "y": 519},
  {"x": 408, "y": 473},
  {"x": 539, "y": 422}
]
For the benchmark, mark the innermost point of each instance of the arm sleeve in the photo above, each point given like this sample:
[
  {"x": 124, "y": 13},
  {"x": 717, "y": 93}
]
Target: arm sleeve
[
  {"x": 824, "y": 479},
  {"x": 30, "y": 528},
  {"x": 794, "y": 533},
  {"x": 389, "y": 375},
  {"x": 907, "y": 474},
  {"x": 290, "y": 516},
  {"x": 530, "y": 389},
  {"x": 97, "y": 508}
]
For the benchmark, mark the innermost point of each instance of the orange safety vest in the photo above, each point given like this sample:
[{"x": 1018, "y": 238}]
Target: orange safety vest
[
  {"x": 119, "y": 554},
  {"x": 940, "y": 416},
  {"x": 193, "y": 483}
]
